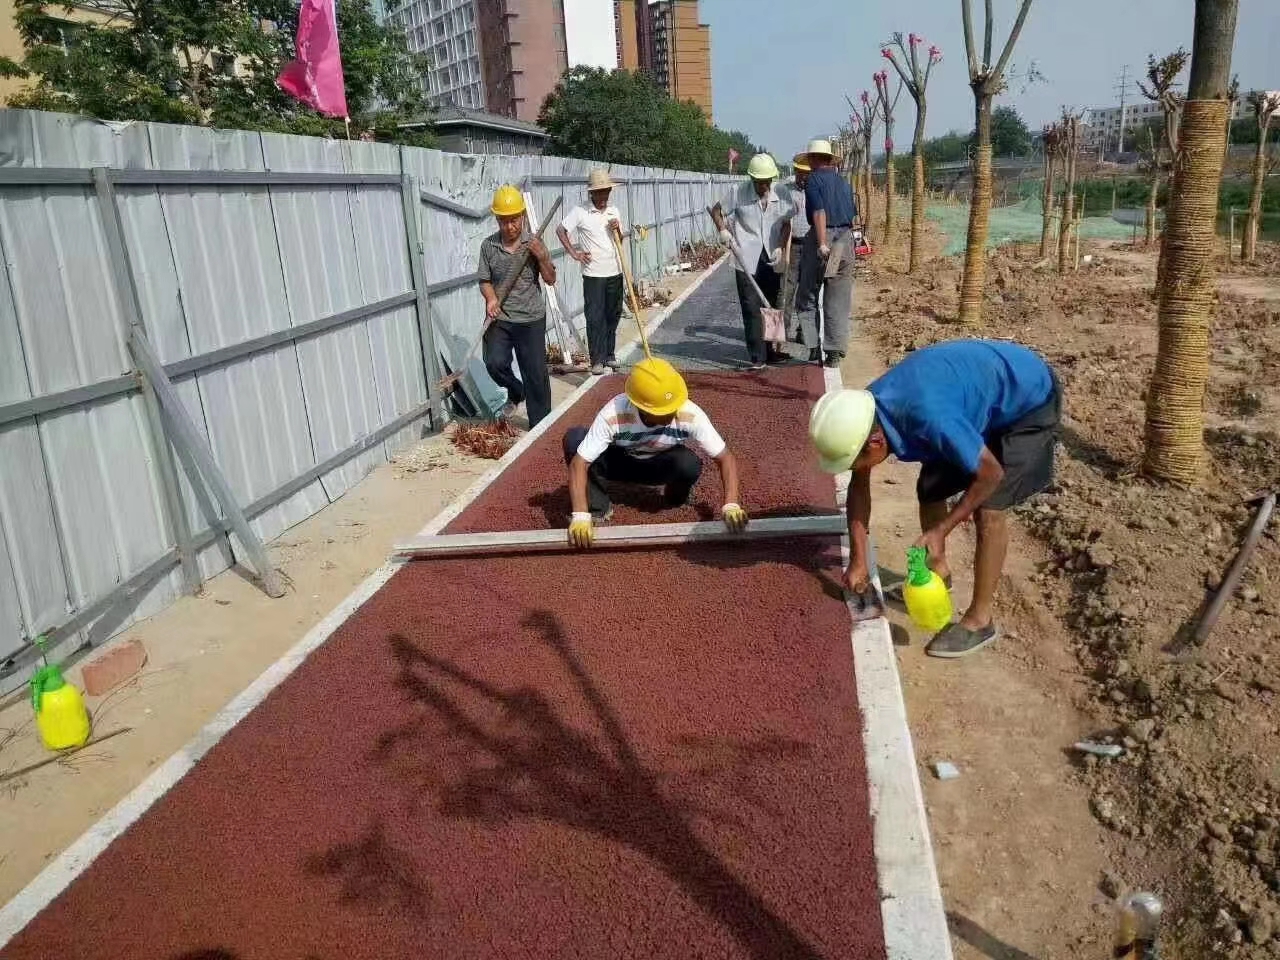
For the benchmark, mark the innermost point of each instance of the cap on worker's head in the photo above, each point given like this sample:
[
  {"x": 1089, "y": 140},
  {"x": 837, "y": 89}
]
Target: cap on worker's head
[
  {"x": 821, "y": 148},
  {"x": 762, "y": 167},
  {"x": 656, "y": 387},
  {"x": 839, "y": 426},
  {"x": 599, "y": 180},
  {"x": 507, "y": 201},
  {"x": 801, "y": 162}
]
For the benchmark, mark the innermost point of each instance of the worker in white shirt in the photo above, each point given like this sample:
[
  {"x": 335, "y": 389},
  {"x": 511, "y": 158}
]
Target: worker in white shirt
[
  {"x": 761, "y": 228},
  {"x": 800, "y": 325},
  {"x": 585, "y": 233},
  {"x": 643, "y": 436}
]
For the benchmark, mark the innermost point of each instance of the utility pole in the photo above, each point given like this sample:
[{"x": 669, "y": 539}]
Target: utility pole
[{"x": 1122, "y": 88}]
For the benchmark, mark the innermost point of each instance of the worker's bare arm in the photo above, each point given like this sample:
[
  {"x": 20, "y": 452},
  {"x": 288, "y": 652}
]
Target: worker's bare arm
[
  {"x": 578, "y": 484},
  {"x": 490, "y": 299},
  {"x": 985, "y": 482},
  {"x": 582, "y": 256},
  {"x": 858, "y": 512},
  {"x": 728, "y": 466},
  {"x": 546, "y": 268}
]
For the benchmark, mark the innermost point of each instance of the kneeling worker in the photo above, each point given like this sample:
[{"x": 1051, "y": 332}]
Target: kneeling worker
[
  {"x": 643, "y": 436},
  {"x": 982, "y": 417}
]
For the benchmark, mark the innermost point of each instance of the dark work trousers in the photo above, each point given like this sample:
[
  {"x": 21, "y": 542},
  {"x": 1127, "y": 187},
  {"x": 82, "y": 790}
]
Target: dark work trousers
[
  {"x": 676, "y": 470},
  {"x": 527, "y": 342},
  {"x": 805, "y": 288},
  {"x": 752, "y": 320},
  {"x": 602, "y": 308}
]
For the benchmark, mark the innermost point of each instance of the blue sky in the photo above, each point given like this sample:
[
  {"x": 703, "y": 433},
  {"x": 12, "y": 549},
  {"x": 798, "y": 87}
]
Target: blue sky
[{"x": 781, "y": 77}]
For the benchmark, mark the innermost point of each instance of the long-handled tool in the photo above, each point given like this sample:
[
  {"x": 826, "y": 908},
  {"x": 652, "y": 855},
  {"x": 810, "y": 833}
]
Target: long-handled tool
[
  {"x": 503, "y": 290},
  {"x": 775, "y": 330},
  {"x": 631, "y": 292},
  {"x": 624, "y": 537}
]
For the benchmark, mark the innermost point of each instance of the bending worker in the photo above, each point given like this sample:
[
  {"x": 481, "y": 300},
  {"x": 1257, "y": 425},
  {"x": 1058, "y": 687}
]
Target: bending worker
[
  {"x": 761, "y": 228},
  {"x": 982, "y": 417},
  {"x": 587, "y": 233},
  {"x": 519, "y": 325},
  {"x": 643, "y": 436}
]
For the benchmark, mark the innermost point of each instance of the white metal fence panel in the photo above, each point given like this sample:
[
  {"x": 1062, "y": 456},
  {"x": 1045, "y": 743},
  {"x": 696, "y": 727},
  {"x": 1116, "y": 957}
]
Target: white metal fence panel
[{"x": 219, "y": 264}]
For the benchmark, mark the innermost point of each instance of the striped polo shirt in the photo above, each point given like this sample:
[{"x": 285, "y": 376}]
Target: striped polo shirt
[{"x": 618, "y": 424}]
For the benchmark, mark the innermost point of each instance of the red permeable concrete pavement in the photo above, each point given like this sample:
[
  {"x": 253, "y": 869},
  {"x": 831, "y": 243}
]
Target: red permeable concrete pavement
[
  {"x": 650, "y": 754},
  {"x": 763, "y": 417}
]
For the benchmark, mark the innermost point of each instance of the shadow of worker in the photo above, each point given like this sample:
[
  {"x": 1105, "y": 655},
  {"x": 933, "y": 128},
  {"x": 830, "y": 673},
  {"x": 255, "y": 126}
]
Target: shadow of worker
[
  {"x": 522, "y": 762},
  {"x": 978, "y": 938}
]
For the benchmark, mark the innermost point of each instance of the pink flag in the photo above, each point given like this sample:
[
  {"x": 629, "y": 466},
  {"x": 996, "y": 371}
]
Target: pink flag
[{"x": 315, "y": 77}]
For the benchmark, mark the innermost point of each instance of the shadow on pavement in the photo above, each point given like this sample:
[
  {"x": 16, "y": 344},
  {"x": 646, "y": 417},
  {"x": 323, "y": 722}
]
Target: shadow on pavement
[{"x": 978, "y": 938}]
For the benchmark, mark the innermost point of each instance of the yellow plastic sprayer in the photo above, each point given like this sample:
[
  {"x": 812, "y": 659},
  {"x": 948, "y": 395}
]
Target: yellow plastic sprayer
[
  {"x": 927, "y": 598},
  {"x": 61, "y": 716}
]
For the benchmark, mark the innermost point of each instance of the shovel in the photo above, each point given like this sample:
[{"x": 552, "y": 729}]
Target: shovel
[
  {"x": 508, "y": 282},
  {"x": 775, "y": 330},
  {"x": 631, "y": 292}
]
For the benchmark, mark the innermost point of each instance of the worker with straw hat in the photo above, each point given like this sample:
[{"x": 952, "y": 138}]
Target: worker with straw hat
[
  {"x": 804, "y": 329},
  {"x": 587, "y": 234},
  {"x": 519, "y": 324},
  {"x": 761, "y": 228},
  {"x": 643, "y": 436},
  {"x": 829, "y": 254},
  {"x": 982, "y": 417}
]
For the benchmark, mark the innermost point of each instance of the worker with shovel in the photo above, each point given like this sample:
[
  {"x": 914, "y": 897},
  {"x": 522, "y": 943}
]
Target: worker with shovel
[
  {"x": 761, "y": 231},
  {"x": 643, "y": 436},
  {"x": 804, "y": 329},
  {"x": 829, "y": 256},
  {"x": 588, "y": 234},
  {"x": 518, "y": 324},
  {"x": 982, "y": 417}
]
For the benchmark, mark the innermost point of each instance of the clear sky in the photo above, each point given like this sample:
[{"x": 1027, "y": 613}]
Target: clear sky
[{"x": 781, "y": 76}]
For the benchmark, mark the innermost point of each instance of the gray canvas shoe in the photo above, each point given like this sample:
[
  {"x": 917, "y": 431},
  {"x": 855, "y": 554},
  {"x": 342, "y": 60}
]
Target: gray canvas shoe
[{"x": 957, "y": 641}]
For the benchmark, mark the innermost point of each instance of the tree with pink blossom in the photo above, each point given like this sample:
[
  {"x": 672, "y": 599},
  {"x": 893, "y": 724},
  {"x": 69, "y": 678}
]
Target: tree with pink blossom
[
  {"x": 914, "y": 68},
  {"x": 886, "y": 106}
]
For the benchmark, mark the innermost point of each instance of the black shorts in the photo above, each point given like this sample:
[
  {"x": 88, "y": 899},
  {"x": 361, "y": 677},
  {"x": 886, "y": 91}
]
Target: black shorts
[{"x": 1025, "y": 450}]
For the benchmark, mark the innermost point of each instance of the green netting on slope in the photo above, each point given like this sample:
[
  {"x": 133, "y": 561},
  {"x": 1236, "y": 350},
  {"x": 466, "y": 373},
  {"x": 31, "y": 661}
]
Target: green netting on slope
[{"x": 1018, "y": 223}]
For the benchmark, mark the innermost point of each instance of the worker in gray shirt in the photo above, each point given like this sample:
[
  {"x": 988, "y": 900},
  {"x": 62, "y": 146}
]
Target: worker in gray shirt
[
  {"x": 518, "y": 326},
  {"x": 801, "y": 326}
]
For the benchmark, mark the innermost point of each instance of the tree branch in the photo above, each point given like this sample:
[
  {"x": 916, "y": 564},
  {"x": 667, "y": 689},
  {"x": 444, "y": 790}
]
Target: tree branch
[
  {"x": 987, "y": 38},
  {"x": 1013, "y": 38},
  {"x": 903, "y": 74},
  {"x": 968, "y": 40}
]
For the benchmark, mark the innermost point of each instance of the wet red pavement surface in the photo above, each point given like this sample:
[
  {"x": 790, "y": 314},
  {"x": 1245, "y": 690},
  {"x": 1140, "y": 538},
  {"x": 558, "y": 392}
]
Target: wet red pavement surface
[{"x": 647, "y": 754}]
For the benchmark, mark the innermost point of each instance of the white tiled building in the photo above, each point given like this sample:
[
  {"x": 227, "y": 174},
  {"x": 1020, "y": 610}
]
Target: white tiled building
[
  {"x": 444, "y": 30},
  {"x": 1102, "y": 125}
]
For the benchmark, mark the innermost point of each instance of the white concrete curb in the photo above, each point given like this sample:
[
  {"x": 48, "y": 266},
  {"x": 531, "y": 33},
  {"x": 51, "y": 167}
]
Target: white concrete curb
[
  {"x": 59, "y": 874},
  {"x": 915, "y": 920}
]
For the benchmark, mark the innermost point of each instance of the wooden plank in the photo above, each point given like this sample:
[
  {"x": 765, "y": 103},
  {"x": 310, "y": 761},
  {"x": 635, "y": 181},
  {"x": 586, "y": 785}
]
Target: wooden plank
[{"x": 624, "y": 537}]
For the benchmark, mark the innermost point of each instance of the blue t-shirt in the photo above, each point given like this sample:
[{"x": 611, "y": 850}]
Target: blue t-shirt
[
  {"x": 827, "y": 190},
  {"x": 939, "y": 402}
]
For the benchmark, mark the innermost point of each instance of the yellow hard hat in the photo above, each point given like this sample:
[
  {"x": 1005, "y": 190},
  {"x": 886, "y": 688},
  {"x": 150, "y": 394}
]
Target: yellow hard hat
[
  {"x": 801, "y": 162},
  {"x": 656, "y": 387},
  {"x": 839, "y": 426},
  {"x": 507, "y": 201},
  {"x": 762, "y": 167}
]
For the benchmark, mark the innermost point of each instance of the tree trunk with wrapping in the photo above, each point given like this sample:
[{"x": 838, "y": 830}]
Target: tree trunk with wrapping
[
  {"x": 1046, "y": 205},
  {"x": 890, "y": 185},
  {"x": 1068, "y": 222},
  {"x": 1188, "y": 284},
  {"x": 1249, "y": 244},
  {"x": 973, "y": 283}
]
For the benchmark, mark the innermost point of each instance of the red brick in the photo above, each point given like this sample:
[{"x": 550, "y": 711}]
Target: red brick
[{"x": 114, "y": 667}]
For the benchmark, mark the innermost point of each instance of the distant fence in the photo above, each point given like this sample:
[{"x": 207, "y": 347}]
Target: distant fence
[{"x": 302, "y": 294}]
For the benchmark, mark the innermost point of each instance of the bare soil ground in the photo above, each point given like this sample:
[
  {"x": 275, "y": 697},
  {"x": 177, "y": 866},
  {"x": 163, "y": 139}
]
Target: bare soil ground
[
  {"x": 204, "y": 650},
  {"x": 1034, "y": 840}
]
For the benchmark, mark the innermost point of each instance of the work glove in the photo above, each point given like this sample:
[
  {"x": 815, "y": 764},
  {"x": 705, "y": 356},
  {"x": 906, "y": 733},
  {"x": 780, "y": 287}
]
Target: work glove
[
  {"x": 734, "y": 517},
  {"x": 775, "y": 260},
  {"x": 726, "y": 237},
  {"x": 582, "y": 532},
  {"x": 824, "y": 251}
]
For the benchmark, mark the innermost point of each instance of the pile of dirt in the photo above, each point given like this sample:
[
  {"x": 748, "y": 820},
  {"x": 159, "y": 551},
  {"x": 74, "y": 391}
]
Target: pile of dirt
[{"x": 1193, "y": 802}]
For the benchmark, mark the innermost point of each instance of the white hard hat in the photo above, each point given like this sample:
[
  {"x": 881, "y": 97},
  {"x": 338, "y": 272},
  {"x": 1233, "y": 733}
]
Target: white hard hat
[
  {"x": 839, "y": 426},
  {"x": 762, "y": 167},
  {"x": 823, "y": 148}
]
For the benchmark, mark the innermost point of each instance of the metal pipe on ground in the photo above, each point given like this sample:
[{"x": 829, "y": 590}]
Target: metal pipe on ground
[{"x": 620, "y": 538}]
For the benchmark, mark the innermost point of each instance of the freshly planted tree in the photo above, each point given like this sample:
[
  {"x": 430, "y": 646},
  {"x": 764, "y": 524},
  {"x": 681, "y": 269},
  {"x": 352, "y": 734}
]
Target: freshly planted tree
[
  {"x": 915, "y": 77},
  {"x": 1151, "y": 164},
  {"x": 1052, "y": 144},
  {"x": 1162, "y": 78},
  {"x": 1265, "y": 108},
  {"x": 1188, "y": 287},
  {"x": 886, "y": 107},
  {"x": 864, "y": 122},
  {"x": 1070, "y": 150},
  {"x": 986, "y": 80}
]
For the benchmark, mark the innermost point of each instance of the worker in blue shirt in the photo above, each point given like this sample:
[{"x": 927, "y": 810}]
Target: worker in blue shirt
[
  {"x": 828, "y": 255},
  {"x": 982, "y": 417}
]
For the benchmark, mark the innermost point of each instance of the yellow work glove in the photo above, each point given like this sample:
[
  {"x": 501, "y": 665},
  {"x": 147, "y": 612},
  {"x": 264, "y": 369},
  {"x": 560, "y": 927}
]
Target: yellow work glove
[
  {"x": 734, "y": 517},
  {"x": 582, "y": 531}
]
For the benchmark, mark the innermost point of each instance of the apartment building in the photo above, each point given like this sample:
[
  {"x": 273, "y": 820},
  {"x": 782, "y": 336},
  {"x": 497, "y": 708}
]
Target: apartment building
[
  {"x": 681, "y": 51},
  {"x": 447, "y": 32},
  {"x": 1103, "y": 125},
  {"x": 524, "y": 52}
]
